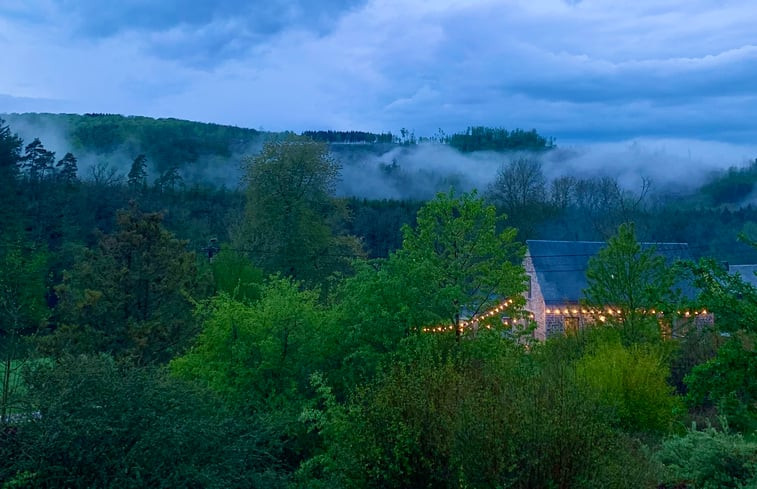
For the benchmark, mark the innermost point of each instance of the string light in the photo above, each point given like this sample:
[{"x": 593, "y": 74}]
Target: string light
[
  {"x": 609, "y": 311},
  {"x": 601, "y": 314},
  {"x": 473, "y": 321}
]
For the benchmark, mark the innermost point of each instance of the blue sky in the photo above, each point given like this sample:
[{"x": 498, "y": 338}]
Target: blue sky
[{"x": 590, "y": 70}]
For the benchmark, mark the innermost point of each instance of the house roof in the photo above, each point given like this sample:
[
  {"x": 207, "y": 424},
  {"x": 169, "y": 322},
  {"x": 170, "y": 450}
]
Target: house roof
[
  {"x": 747, "y": 273},
  {"x": 560, "y": 266}
]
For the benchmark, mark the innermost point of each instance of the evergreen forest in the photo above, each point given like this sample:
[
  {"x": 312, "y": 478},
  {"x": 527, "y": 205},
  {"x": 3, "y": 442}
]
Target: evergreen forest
[{"x": 195, "y": 305}]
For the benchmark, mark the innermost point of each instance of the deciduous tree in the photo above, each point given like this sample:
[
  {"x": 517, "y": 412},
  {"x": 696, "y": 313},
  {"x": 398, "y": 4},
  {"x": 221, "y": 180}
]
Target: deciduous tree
[
  {"x": 292, "y": 222},
  {"x": 105, "y": 424},
  {"x": 633, "y": 280},
  {"x": 461, "y": 264},
  {"x": 520, "y": 192},
  {"x": 22, "y": 311}
]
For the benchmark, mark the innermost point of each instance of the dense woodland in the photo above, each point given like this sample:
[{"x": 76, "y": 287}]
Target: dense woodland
[{"x": 162, "y": 332}]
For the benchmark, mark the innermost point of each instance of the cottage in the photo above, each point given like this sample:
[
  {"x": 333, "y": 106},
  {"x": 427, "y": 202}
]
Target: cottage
[{"x": 557, "y": 279}]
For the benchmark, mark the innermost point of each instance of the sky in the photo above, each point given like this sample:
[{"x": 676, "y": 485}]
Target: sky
[{"x": 578, "y": 70}]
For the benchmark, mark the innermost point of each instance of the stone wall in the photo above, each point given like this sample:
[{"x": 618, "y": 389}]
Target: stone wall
[{"x": 535, "y": 300}]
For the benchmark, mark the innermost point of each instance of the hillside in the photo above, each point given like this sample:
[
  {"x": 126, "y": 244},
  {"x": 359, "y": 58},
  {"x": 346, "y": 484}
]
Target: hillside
[{"x": 167, "y": 143}]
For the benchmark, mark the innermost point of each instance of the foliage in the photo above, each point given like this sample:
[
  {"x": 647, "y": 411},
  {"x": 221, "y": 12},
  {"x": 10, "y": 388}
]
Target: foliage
[
  {"x": 374, "y": 310},
  {"x": 727, "y": 295},
  {"x": 481, "y": 138},
  {"x": 709, "y": 459},
  {"x": 11, "y": 223},
  {"x": 22, "y": 314},
  {"x": 631, "y": 383},
  {"x": 728, "y": 382},
  {"x": 10, "y": 150},
  {"x": 258, "y": 356},
  {"x": 38, "y": 162},
  {"x": 460, "y": 264},
  {"x": 731, "y": 186},
  {"x": 250, "y": 352},
  {"x": 634, "y": 280},
  {"x": 378, "y": 223},
  {"x": 483, "y": 415},
  {"x": 68, "y": 168},
  {"x": 388, "y": 406},
  {"x": 350, "y": 137},
  {"x": 165, "y": 141},
  {"x": 292, "y": 223},
  {"x": 131, "y": 296},
  {"x": 519, "y": 190},
  {"x": 100, "y": 424},
  {"x": 697, "y": 346},
  {"x": 137, "y": 177},
  {"x": 235, "y": 276}
]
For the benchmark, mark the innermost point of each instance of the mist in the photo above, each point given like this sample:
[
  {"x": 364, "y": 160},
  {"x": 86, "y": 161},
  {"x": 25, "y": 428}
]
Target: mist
[
  {"x": 207, "y": 170},
  {"x": 420, "y": 171}
]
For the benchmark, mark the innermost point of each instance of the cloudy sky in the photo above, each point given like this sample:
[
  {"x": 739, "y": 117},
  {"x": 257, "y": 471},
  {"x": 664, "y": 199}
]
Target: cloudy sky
[{"x": 580, "y": 70}]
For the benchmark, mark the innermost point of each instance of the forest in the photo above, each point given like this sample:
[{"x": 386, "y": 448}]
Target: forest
[{"x": 161, "y": 330}]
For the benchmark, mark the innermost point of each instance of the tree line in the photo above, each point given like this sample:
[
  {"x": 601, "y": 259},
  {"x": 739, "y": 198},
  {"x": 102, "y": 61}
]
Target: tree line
[{"x": 136, "y": 352}]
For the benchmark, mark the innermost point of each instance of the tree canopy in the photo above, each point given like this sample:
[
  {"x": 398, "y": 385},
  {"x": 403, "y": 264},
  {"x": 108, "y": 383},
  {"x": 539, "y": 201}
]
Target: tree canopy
[{"x": 292, "y": 222}]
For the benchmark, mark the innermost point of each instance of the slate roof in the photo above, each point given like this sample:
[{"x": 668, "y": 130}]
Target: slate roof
[
  {"x": 747, "y": 273},
  {"x": 560, "y": 266}
]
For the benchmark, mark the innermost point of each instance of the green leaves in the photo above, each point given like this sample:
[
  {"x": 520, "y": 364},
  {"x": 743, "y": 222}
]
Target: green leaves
[
  {"x": 22, "y": 313},
  {"x": 634, "y": 280},
  {"x": 631, "y": 383},
  {"x": 729, "y": 382},
  {"x": 459, "y": 260},
  {"x": 292, "y": 222},
  {"x": 132, "y": 295},
  {"x": 480, "y": 415},
  {"x": 709, "y": 459},
  {"x": 104, "y": 424},
  {"x": 248, "y": 352}
]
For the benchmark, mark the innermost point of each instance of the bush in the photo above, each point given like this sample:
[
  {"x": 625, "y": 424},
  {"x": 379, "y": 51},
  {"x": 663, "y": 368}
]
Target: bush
[
  {"x": 709, "y": 459},
  {"x": 481, "y": 414},
  {"x": 631, "y": 383},
  {"x": 728, "y": 383},
  {"x": 104, "y": 425}
]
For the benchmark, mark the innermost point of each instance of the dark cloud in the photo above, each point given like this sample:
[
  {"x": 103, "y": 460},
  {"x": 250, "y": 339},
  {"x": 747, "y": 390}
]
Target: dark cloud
[
  {"x": 667, "y": 81},
  {"x": 576, "y": 71},
  {"x": 201, "y": 33},
  {"x": 263, "y": 17}
]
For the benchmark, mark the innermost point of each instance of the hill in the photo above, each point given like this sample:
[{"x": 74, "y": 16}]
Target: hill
[{"x": 167, "y": 143}]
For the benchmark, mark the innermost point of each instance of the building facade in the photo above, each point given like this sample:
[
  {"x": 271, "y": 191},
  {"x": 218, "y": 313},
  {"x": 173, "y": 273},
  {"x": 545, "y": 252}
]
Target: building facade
[{"x": 557, "y": 279}]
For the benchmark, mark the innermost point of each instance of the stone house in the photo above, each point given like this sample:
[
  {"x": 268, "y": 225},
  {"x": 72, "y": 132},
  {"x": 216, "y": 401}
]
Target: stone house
[{"x": 557, "y": 278}]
